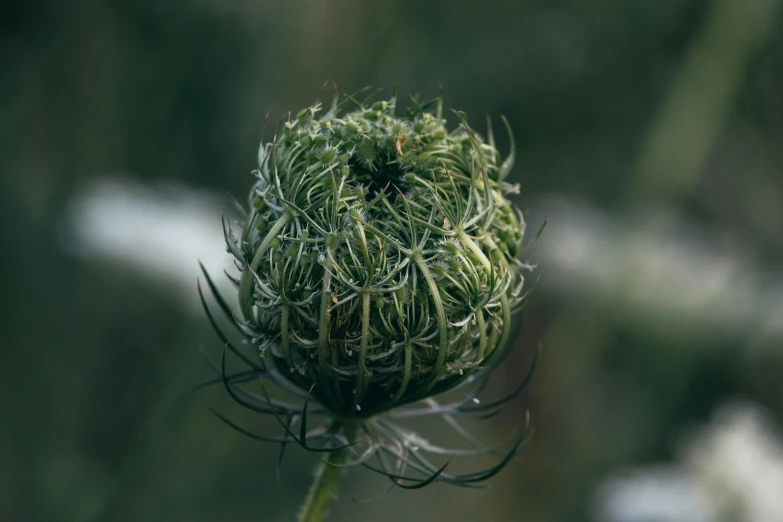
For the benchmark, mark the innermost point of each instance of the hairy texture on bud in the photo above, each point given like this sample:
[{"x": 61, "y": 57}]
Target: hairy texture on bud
[{"x": 378, "y": 259}]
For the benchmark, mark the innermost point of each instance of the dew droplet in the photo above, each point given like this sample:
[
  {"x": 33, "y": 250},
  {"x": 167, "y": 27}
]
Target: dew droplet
[
  {"x": 358, "y": 408},
  {"x": 475, "y": 400}
]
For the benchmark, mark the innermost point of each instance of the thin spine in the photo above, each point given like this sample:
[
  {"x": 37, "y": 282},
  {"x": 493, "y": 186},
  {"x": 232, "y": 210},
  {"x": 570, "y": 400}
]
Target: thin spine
[
  {"x": 323, "y": 330},
  {"x": 482, "y": 341},
  {"x": 442, "y": 325},
  {"x": 361, "y": 370},
  {"x": 284, "y": 333},
  {"x": 406, "y": 375},
  {"x": 246, "y": 281},
  {"x": 473, "y": 247}
]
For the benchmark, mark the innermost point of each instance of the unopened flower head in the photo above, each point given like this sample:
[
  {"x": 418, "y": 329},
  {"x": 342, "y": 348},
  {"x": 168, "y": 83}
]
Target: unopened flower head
[{"x": 378, "y": 258}]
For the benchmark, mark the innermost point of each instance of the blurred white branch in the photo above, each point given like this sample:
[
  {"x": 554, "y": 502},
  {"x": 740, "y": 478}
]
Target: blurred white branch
[
  {"x": 158, "y": 232},
  {"x": 731, "y": 469},
  {"x": 655, "y": 267}
]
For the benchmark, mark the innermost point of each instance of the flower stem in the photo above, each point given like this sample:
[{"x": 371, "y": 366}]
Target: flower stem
[{"x": 324, "y": 487}]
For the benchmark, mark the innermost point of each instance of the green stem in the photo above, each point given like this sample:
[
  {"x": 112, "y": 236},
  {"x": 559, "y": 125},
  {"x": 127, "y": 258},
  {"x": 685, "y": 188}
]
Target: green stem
[{"x": 324, "y": 487}]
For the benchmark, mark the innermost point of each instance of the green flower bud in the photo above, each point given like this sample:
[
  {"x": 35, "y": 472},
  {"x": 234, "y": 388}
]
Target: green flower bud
[
  {"x": 404, "y": 288},
  {"x": 406, "y": 281},
  {"x": 328, "y": 155}
]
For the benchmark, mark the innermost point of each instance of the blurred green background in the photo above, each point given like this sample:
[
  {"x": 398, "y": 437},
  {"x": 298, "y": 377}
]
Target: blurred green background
[{"x": 649, "y": 135}]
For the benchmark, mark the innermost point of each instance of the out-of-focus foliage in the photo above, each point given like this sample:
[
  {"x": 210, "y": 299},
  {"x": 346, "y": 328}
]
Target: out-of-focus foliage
[{"x": 667, "y": 110}]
